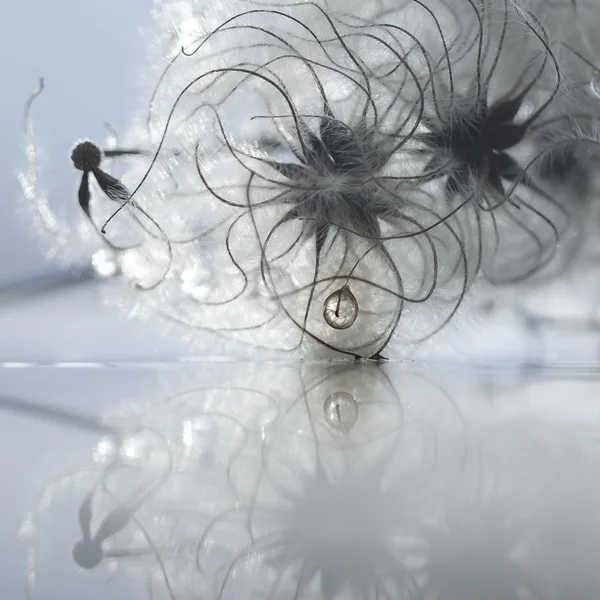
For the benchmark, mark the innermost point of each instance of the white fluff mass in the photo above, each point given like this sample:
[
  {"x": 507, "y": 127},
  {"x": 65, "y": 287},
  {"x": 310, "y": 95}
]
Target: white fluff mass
[{"x": 318, "y": 177}]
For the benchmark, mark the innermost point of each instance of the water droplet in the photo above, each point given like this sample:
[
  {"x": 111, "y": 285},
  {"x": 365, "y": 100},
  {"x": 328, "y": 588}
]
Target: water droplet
[
  {"x": 341, "y": 411},
  {"x": 340, "y": 309}
]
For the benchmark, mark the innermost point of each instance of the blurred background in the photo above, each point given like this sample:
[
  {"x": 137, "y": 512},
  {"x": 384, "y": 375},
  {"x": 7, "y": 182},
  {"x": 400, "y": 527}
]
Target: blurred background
[
  {"x": 93, "y": 60},
  {"x": 90, "y": 55}
]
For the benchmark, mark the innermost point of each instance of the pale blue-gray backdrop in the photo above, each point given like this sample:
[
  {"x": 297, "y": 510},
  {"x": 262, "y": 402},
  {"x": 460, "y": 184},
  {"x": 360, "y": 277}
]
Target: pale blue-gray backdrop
[{"x": 90, "y": 54}]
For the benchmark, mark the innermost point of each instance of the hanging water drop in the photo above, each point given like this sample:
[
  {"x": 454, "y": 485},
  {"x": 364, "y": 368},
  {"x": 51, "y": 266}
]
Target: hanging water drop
[
  {"x": 340, "y": 309},
  {"x": 341, "y": 411}
]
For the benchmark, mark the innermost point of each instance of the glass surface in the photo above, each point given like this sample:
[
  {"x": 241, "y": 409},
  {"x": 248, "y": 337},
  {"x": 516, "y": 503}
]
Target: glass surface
[{"x": 232, "y": 480}]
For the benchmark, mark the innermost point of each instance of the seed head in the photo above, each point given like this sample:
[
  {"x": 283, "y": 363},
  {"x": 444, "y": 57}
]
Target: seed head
[{"x": 86, "y": 156}]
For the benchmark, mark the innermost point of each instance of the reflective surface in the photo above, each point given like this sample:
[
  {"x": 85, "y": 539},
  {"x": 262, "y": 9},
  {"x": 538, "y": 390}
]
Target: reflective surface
[{"x": 301, "y": 480}]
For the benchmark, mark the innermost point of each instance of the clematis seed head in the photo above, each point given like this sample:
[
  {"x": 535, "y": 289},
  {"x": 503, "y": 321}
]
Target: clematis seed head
[{"x": 86, "y": 156}]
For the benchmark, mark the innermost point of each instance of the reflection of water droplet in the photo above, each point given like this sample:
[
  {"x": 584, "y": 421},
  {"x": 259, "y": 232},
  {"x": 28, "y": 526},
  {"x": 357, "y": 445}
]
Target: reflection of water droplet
[
  {"x": 341, "y": 411},
  {"x": 595, "y": 83},
  {"x": 340, "y": 309},
  {"x": 105, "y": 263}
]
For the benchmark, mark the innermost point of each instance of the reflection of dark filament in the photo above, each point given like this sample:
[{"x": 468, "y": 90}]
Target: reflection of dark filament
[{"x": 57, "y": 415}]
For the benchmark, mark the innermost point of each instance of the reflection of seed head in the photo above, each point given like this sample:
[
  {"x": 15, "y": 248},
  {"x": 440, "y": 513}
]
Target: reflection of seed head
[
  {"x": 341, "y": 411},
  {"x": 87, "y": 554},
  {"x": 86, "y": 156},
  {"x": 340, "y": 309}
]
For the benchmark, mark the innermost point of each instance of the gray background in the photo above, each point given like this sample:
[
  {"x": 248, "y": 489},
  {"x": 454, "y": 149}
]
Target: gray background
[
  {"x": 93, "y": 58},
  {"x": 91, "y": 55}
]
